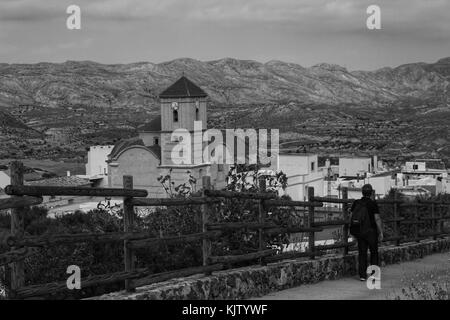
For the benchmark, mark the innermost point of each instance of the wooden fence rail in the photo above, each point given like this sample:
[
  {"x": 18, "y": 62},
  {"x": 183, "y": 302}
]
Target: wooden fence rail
[
  {"x": 24, "y": 246},
  {"x": 40, "y": 191}
]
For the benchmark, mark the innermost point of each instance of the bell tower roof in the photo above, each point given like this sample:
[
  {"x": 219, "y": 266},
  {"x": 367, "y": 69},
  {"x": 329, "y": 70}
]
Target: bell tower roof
[{"x": 183, "y": 88}]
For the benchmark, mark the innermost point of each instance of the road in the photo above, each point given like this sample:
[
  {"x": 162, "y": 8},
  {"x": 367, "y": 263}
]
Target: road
[{"x": 393, "y": 279}]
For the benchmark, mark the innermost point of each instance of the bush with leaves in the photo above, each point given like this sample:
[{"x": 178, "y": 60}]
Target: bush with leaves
[
  {"x": 409, "y": 213},
  {"x": 245, "y": 178},
  {"x": 50, "y": 263}
]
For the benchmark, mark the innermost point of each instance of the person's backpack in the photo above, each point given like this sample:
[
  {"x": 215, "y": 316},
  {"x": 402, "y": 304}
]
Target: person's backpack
[{"x": 360, "y": 221}]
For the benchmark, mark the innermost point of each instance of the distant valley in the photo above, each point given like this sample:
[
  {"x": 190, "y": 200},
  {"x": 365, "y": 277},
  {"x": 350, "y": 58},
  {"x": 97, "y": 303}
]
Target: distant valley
[{"x": 54, "y": 111}]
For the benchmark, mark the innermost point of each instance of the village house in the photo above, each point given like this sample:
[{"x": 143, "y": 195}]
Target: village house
[
  {"x": 429, "y": 174},
  {"x": 97, "y": 166},
  {"x": 61, "y": 203},
  {"x": 355, "y": 166},
  {"x": 51, "y": 202},
  {"x": 302, "y": 172}
]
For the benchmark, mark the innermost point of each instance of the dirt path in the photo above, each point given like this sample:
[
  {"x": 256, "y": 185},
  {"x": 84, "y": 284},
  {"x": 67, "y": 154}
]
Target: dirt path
[{"x": 392, "y": 279}]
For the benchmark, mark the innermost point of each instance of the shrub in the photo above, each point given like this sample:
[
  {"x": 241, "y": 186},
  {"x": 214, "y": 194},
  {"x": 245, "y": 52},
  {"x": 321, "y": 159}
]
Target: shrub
[
  {"x": 434, "y": 285},
  {"x": 408, "y": 212},
  {"x": 50, "y": 263}
]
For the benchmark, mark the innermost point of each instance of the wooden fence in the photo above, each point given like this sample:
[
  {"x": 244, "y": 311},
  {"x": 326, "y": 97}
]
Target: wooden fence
[{"x": 25, "y": 246}]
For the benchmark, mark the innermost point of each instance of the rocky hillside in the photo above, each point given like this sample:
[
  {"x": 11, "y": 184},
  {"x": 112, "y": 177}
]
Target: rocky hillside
[
  {"x": 228, "y": 81},
  {"x": 7, "y": 120},
  {"x": 50, "y": 110}
]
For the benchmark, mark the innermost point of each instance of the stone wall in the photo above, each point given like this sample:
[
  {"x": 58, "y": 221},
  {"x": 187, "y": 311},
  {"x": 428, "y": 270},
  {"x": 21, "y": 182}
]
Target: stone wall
[{"x": 256, "y": 281}]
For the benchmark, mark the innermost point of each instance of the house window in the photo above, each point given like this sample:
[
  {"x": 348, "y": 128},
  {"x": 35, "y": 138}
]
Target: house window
[
  {"x": 155, "y": 141},
  {"x": 415, "y": 166},
  {"x": 175, "y": 115},
  {"x": 313, "y": 166},
  {"x": 220, "y": 167}
]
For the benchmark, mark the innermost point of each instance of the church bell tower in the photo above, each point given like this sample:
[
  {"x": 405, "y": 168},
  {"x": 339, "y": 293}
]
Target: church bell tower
[{"x": 182, "y": 104}]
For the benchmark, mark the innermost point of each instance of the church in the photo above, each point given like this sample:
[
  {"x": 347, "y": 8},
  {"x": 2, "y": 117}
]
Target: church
[{"x": 150, "y": 155}]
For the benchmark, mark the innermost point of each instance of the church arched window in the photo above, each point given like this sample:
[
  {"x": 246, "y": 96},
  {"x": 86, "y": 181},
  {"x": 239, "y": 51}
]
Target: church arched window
[
  {"x": 197, "y": 112},
  {"x": 175, "y": 115}
]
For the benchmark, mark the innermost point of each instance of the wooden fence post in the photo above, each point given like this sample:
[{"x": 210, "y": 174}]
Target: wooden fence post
[
  {"x": 206, "y": 243},
  {"x": 434, "y": 225},
  {"x": 397, "y": 221},
  {"x": 416, "y": 225},
  {"x": 345, "y": 216},
  {"x": 261, "y": 217},
  {"x": 17, "y": 227},
  {"x": 128, "y": 221},
  {"x": 442, "y": 213},
  {"x": 311, "y": 237}
]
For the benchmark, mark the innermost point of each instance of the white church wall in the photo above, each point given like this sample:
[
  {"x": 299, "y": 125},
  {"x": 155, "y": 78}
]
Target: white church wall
[{"x": 143, "y": 166}]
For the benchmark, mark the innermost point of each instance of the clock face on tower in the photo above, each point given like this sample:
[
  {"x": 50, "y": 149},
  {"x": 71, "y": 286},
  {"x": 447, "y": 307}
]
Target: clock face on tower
[{"x": 175, "y": 105}]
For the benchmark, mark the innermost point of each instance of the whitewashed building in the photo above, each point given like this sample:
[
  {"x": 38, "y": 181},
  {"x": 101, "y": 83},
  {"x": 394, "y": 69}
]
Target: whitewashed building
[
  {"x": 302, "y": 172},
  {"x": 354, "y": 166},
  {"x": 96, "y": 160}
]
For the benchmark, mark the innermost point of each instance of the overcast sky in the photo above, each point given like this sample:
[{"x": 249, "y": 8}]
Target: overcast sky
[{"x": 300, "y": 31}]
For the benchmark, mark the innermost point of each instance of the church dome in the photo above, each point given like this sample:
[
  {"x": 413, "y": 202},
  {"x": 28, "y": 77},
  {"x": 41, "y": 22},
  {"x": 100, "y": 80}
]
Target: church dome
[{"x": 124, "y": 144}]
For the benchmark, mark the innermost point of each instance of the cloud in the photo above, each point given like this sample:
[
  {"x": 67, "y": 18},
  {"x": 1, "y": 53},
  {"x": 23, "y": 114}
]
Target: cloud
[
  {"x": 306, "y": 16},
  {"x": 27, "y": 10},
  {"x": 82, "y": 44},
  {"x": 293, "y": 11},
  {"x": 301, "y": 29},
  {"x": 221, "y": 10}
]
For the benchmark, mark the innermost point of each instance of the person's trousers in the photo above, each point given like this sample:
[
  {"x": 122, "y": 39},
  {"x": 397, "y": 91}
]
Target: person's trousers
[{"x": 367, "y": 242}]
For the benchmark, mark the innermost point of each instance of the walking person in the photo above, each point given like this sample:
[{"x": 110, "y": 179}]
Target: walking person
[{"x": 366, "y": 227}]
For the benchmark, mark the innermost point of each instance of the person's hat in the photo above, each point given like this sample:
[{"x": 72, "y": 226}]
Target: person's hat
[{"x": 367, "y": 189}]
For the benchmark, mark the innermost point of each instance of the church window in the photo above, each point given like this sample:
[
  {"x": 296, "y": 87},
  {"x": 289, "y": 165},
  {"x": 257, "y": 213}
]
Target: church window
[
  {"x": 175, "y": 115},
  {"x": 197, "y": 112}
]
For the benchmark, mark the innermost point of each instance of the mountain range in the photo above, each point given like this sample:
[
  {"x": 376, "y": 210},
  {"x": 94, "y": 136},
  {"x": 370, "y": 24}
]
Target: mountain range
[
  {"x": 227, "y": 81},
  {"x": 56, "y": 110}
]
